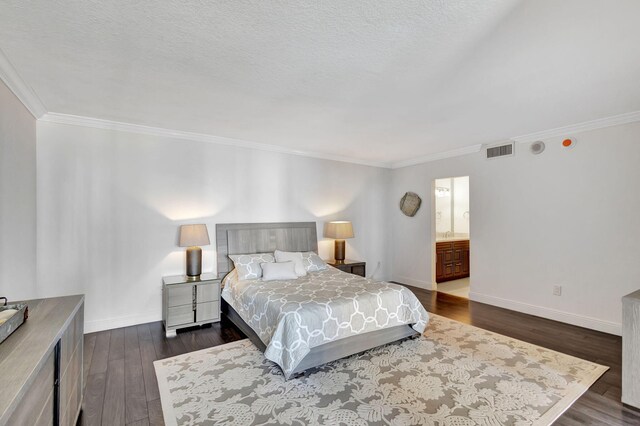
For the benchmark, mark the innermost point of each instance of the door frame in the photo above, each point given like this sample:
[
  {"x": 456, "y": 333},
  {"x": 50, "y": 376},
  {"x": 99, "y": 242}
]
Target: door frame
[{"x": 434, "y": 254}]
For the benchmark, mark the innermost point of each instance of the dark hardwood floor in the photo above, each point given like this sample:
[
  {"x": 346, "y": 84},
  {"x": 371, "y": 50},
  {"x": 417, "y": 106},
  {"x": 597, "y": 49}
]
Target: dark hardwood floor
[
  {"x": 120, "y": 381},
  {"x": 121, "y": 387}
]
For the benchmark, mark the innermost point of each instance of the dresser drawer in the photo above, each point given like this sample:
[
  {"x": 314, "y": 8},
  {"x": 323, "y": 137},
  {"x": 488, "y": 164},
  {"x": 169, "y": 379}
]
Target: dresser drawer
[
  {"x": 180, "y": 315},
  {"x": 36, "y": 405},
  {"x": 70, "y": 390},
  {"x": 207, "y": 292},
  {"x": 46, "y": 416},
  {"x": 71, "y": 338},
  {"x": 179, "y": 295}
]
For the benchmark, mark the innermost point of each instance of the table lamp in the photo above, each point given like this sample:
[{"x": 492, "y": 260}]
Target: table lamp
[
  {"x": 193, "y": 236},
  {"x": 339, "y": 230}
]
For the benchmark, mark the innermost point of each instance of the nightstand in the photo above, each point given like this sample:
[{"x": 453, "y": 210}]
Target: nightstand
[
  {"x": 351, "y": 266},
  {"x": 189, "y": 303}
]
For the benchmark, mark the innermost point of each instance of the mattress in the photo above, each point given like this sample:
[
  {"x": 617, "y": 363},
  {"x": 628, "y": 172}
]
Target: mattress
[{"x": 293, "y": 316}]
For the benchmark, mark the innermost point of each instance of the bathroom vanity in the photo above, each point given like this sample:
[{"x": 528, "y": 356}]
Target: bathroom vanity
[{"x": 452, "y": 259}]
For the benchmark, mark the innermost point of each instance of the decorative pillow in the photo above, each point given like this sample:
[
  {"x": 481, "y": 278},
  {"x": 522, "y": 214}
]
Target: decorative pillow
[
  {"x": 248, "y": 265},
  {"x": 312, "y": 262},
  {"x": 292, "y": 256},
  {"x": 278, "y": 271}
]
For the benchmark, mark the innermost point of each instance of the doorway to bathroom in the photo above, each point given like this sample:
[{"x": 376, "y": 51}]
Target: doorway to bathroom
[{"x": 452, "y": 270}]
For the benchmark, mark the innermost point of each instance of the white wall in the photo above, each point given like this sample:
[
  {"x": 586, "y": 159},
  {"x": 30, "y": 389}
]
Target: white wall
[
  {"x": 565, "y": 217},
  {"x": 17, "y": 198},
  {"x": 110, "y": 203}
]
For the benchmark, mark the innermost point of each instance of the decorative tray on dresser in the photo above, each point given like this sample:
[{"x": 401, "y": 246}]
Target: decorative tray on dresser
[{"x": 11, "y": 317}]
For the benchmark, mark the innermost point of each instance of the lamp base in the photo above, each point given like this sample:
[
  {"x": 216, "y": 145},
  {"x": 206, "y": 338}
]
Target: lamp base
[
  {"x": 194, "y": 263},
  {"x": 339, "y": 252}
]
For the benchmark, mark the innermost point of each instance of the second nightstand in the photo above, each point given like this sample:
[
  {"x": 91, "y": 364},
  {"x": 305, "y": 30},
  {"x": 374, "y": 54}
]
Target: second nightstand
[
  {"x": 351, "y": 266},
  {"x": 189, "y": 303}
]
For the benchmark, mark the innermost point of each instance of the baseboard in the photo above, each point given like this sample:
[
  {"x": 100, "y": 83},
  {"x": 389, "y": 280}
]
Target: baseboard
[
  {"x": 412, "y": 281},
  {"x": 118, "y": 322},
  {"x": 566, "y": 317},
  {"x": 549, "y": 313}
]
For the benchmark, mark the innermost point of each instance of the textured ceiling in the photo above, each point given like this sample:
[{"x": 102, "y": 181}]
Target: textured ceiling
[{"x": 376, "y": 80}]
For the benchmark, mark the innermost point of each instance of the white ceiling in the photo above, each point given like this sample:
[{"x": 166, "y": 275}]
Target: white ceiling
[{"x": 374, "y": 80}]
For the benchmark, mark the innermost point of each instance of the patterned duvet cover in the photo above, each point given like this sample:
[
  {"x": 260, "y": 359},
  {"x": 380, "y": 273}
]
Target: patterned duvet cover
[{"x": 293, "y": 316}]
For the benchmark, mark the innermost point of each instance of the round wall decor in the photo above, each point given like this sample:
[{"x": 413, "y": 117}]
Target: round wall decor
[{"x": 410, "y": 204}]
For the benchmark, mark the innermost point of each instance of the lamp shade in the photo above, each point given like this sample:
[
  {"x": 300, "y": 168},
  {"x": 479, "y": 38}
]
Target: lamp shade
[
  {"x": 194, "y": 235},
  {"x": 339, "y": 230}
]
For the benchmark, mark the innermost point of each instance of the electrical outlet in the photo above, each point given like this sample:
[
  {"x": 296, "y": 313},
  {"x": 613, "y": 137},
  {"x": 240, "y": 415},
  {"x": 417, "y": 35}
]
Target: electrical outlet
[{"x": 557, "y": 290}]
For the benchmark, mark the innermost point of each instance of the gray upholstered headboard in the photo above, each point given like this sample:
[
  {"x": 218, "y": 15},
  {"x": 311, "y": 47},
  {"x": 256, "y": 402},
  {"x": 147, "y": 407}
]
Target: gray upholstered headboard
[{"x": 242, "y": 238}]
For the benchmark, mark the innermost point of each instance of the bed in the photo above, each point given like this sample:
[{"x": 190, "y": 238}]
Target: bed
[{"x": 306, "y": 322}]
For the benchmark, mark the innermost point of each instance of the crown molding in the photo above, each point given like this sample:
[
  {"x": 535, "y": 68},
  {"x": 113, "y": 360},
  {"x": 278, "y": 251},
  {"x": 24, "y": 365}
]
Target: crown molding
[
  {"x": 437, "y": 156},
  {"x": 17, "y": 85},
  {"x": 601, "y": 123},
  {"x": 97, "y": 123},
  {"x": 75, "y": 120}
]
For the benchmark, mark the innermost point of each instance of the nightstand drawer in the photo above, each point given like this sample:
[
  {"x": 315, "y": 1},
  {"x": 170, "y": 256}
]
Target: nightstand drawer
[
  {"x": 358, "y": 270},
  {"x": 208, "y": 311},
  {"x": 180, "y": 315},
  {"x": 208, "y": 292},
  {"x": 181, "y": 294},
  {"x": 351, "y": 266},
  {"x": 343, "y": 268}
]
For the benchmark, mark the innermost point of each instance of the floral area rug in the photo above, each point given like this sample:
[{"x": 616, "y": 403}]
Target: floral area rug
[{"x": 453, "y": 375}]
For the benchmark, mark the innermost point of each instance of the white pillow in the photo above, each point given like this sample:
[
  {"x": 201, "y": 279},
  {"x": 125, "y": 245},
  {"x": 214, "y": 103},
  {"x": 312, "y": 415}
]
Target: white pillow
[
  {"x": 248, "y": 265},
  {"x": 292, "y": 256},
  {"x": 312, "y": 262},
  {"x": 279, "y": 271}
]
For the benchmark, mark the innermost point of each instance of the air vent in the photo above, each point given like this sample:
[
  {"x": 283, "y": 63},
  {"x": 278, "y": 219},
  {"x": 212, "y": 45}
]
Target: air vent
[{"x": 503, "y": 150}]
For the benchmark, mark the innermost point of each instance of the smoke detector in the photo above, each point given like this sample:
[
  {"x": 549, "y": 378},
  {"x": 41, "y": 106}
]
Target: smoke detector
[{"x": 537, "y": 147}]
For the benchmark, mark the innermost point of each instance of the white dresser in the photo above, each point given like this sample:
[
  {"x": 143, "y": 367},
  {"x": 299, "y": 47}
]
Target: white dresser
[
  {"x": 189, "y": 303},
  {"x": 41, "y": 365}
]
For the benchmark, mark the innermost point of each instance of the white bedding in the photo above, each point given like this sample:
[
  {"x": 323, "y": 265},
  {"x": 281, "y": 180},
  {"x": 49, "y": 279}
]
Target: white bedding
[{"x": 293, "y": 316}]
